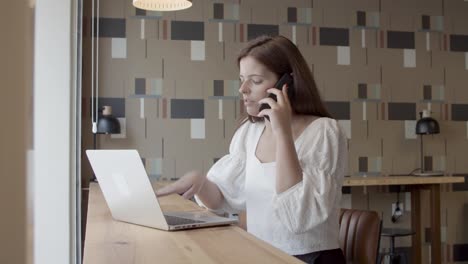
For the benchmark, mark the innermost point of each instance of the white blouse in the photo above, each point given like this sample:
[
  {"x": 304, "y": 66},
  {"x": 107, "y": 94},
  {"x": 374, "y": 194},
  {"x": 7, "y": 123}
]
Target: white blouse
[{"x": 305, "y": 217}]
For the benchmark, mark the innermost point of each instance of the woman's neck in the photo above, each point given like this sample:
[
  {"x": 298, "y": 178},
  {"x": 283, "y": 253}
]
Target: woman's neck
[
  {"x": 298, "y": 124},
  {"x": 296, "y": 121}
]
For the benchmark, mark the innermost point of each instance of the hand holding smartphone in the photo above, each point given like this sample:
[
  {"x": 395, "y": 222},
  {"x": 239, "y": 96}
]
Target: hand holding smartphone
[{"x": 285, "y": 79}]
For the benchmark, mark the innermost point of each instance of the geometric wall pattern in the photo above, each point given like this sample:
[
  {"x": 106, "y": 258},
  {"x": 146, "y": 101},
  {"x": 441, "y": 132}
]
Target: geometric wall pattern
[{"x": 172, "y": 80}]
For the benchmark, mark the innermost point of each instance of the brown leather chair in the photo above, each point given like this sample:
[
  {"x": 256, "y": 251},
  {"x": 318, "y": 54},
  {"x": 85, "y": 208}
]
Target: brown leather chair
[{"x": 360, "y": 235}]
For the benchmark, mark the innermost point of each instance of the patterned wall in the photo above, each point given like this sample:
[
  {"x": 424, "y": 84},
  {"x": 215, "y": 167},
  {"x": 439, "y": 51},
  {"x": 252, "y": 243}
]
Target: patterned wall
[{"x": 172, "y": 81}]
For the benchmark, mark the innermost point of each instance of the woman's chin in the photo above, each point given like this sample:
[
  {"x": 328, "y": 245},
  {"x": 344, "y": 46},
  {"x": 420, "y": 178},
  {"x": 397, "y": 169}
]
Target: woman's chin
[{"x": 252, "y": 112}]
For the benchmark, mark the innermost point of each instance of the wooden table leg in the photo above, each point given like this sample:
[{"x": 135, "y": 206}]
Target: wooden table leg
[
  {"x": 436, "y": 248},
  {"x": 416, "y": 224}
]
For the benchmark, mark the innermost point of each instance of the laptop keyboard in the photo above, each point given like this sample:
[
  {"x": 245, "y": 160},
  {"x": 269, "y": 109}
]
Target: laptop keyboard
[{"x": 174, "y": 220}]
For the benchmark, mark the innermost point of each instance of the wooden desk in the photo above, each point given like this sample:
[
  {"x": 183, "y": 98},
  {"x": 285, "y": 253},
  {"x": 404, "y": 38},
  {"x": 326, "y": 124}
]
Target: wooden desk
[
  {"x": 415, "y": 184},
  {"x": 109, "y": 241}
]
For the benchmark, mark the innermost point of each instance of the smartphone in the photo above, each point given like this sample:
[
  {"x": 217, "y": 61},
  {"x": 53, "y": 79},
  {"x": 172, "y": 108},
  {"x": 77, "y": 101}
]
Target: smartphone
[{"x": 285, "y": 79}]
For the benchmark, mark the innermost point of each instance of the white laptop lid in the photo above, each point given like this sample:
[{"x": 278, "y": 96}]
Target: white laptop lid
[{"x": 126, "y": 187}]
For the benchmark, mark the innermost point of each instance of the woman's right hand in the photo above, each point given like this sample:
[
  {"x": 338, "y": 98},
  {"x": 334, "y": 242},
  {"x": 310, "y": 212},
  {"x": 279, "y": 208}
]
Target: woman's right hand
[{"x": 187, "y": 186}]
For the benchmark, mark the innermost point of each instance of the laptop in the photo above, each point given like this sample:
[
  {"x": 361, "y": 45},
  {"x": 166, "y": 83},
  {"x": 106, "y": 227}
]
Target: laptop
[{"x": 130, "y": 196}]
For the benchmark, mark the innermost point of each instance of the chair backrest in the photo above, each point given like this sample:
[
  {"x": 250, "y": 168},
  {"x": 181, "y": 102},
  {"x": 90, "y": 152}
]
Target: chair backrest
[{"x": 360, "y": 235}]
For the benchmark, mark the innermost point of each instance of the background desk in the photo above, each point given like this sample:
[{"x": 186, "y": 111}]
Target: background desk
[
  {"x": 109, "y": 241},
  {"x": 415, "y": 184}
]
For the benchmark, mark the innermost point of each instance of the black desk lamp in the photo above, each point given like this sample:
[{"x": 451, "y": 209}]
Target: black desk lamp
[
  {"x": 106, "y": 124},
  {"x": 426, "y": 125}
]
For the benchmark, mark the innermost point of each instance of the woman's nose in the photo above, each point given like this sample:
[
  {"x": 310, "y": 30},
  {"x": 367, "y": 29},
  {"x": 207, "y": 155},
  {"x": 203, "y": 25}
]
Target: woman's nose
[{"x": 243, "y": 88}]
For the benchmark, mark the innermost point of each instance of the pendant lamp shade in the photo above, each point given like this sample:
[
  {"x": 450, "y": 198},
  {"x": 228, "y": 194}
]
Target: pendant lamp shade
[{"x": 162, "y": 5}]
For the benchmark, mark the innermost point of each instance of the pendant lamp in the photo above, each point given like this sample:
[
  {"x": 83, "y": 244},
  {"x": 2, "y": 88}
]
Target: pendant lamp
[{"x": 162, "y": 5}]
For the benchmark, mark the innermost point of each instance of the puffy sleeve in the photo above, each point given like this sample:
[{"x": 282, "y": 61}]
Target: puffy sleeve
[
  {"x": 312, "y": 201},
  {"x": 228, "y": 173}
]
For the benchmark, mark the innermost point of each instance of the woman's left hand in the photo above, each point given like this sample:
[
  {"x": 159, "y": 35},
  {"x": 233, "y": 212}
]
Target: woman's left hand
[{"x": 280, "y": 112}]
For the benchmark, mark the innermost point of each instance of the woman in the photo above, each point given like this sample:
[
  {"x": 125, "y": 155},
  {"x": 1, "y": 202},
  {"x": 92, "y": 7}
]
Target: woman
[{"x": 286, "y": 170}]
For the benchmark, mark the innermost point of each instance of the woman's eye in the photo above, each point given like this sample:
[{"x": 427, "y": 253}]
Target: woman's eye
[{"x": 257, "y": 81}]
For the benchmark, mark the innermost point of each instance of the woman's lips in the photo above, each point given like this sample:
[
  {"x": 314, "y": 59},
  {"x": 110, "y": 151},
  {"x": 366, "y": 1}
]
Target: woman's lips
[{"x": 248, "y": 102}]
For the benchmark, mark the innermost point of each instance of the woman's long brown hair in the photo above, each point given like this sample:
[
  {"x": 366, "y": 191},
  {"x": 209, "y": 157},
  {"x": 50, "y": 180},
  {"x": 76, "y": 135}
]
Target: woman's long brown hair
[{"x": 281, "y": 56}]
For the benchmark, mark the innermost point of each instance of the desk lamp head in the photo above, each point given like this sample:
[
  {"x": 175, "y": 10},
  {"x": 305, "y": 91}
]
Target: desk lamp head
[{"x": 427, "y": 125}]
